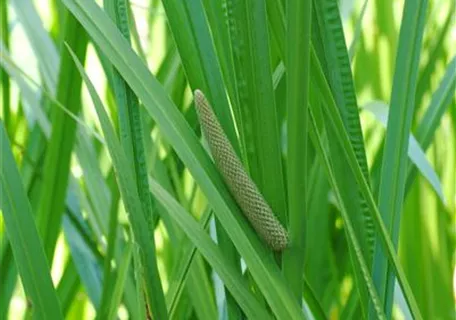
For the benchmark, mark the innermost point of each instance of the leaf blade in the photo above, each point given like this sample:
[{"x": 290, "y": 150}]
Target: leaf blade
[{"x": 23, "y": 236}]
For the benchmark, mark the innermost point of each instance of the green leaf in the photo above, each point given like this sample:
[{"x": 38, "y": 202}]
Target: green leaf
[
  {"x": 299, "y": 15},
  {"x": 336, "y": 64},
  {"x": 58, "y": 152},
  {"x": 353, "y": 238},
  {"x": 394, "y": 165},
  {"x": 131, "y": 137},
  {"x": 341, "y": 82},
  {"x": 23, "y": 235},
  {"x": 133, "y": 205},
  {"x": 335, "y": 121}
]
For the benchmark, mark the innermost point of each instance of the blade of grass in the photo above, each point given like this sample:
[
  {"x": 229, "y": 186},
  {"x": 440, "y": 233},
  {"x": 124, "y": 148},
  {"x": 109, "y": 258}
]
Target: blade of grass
[
  {"x": 21, "y": 76},
  {"x": 353, "y": 238},
  {"x": 331, "y": 45},
  {"x": 58, "y": 153},
  {"x": 129, "y": 297},
  {"x": 428, "y": 124},
  {"x": 341, "y": 82},
  {"x": 133, "y": 205},
  {"x": 131, "y": 134},
  {"x": 134, "y": 32},
  {"x": 200, "y": 290},
  {"x": 23, "y": 235},
  {"x": 299, "y": 17},
  {"x": 336, "y": 123},
  {"x": 394, "y": 165}
]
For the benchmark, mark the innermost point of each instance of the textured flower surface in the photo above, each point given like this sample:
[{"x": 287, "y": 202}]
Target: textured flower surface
[{"x": 244, "y": 190}]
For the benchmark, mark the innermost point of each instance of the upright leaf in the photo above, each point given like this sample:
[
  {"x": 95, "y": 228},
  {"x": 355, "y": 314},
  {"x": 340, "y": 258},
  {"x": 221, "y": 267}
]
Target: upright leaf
[
  {"x": 131, "y": 133},
  {"x": 299, "y": 15},
  {"x": 394, "y": 165},
  {"x": 58, "y": 153}
]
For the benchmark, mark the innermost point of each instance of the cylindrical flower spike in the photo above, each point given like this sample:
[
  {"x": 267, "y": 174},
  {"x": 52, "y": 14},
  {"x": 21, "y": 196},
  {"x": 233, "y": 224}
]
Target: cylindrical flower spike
[{"x": 241, "y": 186}]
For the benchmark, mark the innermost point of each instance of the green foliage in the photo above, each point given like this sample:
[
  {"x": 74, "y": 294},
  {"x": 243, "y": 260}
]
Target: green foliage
[{"x": 112, "y": 206}]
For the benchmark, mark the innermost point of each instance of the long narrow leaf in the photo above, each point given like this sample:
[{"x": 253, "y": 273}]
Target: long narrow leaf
[
  {"x": 131, "y": 133},
  {"x": 131, "y": 198},
  {"x": 58, "y": 153},
  {"x": 336, "y": 123},
  {"x": 23, "y": 235},
  {"x": 394, "y": 165},
  {"x": 299, "y": 15}
]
